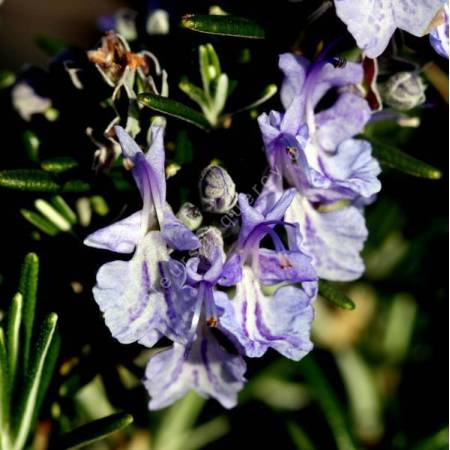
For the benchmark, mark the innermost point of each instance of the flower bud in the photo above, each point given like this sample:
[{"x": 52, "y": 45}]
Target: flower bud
[
  {"x": 403, "y": 91},
  {"x": 190, "y": 215},
  {"x": 217, "y": 190},
  {"x": 210, "y": 240}
]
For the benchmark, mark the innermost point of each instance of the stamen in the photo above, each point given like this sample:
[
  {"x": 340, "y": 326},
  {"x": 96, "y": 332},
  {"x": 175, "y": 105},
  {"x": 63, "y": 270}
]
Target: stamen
[
  {"x": 292, "y": 152},
  {"x": 285, "y": 263}
]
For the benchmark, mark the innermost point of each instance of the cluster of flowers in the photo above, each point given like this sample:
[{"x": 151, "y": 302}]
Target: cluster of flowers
[
  {"x": 219, "y": 303},
  {"x": 330, "y": 176}
]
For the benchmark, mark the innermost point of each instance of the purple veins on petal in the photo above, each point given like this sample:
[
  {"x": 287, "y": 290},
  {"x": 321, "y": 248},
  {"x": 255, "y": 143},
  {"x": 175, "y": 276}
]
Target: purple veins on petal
[
  {"x": 373, "y": 22},
  {"x": 257, "y": 322},
  {"x": 120, "y": 237},
  {"x": 333, "y": 239},
  {"x": 205, "y": 368}
]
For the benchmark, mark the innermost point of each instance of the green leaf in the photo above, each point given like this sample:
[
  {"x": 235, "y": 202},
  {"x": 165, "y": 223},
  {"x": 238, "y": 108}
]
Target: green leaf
[
  {"x": 59, "y": 164},
  {"x": 99, "y": 205},
  {"x": 14, "y": 319},
  {"x": 40, "y": 222},
  {"x": 50, "y": 45},
  {"x": 194, "y": 93},
  {"x": 334, "y": 295},
  {"x": 220, "y": 94},
  {"x": 76, "y": 186},
  {"x": 29, "y": 180},
  {"x": 396, "y": 159},
  {"x": 64, "y": 209},
  {"x": 47, "y": 374},
  {"x": 31, "y": 143},
  {"x": 4, "y": 386},
  {"x": 52, "y": 215},
  {"x": 268, "y": 92},
  {"x": 299, "y": 437},
  {"x": 329, "y": 403},
  {"x": 223, "y": 25},
  {"x": 95, "y": 430},
  {"x": 203, "y": 61},
  {"x": 29, "y": 395},
  {"x": 213, "y": 59},
  {"x": 28, "y": 286},
  {"x": 174, "y": 108},
  {"x": 7, "y": 78},
  {"x": 438, "y": 441}
]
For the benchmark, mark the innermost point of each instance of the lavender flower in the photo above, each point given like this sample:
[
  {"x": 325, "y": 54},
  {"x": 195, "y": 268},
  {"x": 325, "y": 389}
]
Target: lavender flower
[
  {"x": 373, "y": 22},
  {"x": 201, "y": 363},
  {"x": 129, "y": 294},
  {"x": 253, "y": 319},
  {"x": 316, "y": 153}
]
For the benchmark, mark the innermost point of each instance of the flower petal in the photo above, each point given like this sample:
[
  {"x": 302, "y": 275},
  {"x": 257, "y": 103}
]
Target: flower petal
[
  {"x": 291, "y": 266},
  {"x": 333, "y": 239},
  {"x": 346, "y": 118},
  {"x": 177, "y": 234},
  {"x": 372, "y": 22},
  {"x": 206, "y": 368},
  {"x": 126, "y": 293},
  {"x": 353, "y": 169},
  {"x": 120, "y": 237},
  {"x": 256, "y": 322}
]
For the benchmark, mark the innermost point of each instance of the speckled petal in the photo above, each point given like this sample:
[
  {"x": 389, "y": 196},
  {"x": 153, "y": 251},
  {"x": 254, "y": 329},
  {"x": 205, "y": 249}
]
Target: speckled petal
[
  {"x": 126, "y": 294},
  {"x": 257, "y": 322},
  {"x": 205, "y": 368},
  {"x": 372, "y": 22},
  {"x": 288, "y": 266}
]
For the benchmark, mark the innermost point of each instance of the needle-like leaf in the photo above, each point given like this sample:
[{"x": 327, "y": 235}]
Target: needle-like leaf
[
  {"x": 174, "y": 108},
  {"x": 396, "y": 159},
  {"x": 13, "y": 334},
  {"x": 334, "y": 295},
  {"x": 93, "y": 431},
  {"x": 27, "y": 403},
  {"x": 28, "y": 288},
  {"x": 223, "y": 25}
]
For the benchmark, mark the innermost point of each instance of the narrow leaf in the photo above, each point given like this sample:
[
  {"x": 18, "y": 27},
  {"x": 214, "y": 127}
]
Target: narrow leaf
[
  {"x": 47, "y": 374},
  {"x": 39, "y": 222},
  {"x": 223, "y": 25},
  {"x": 396, "y": 159},
  {"x": 99, "y": 205},
  {"x": 194, "y": 93},
  {"x": 4, "y": 385},
  {"x": 174, "y": 108},
  {"x": 31, "y": 143},
  {"x": 95, "y": 430},
  {"x": 268, "y": 92},
  {"x": 213, "y": 59},
  {"x": 76, "y": 186},
  {"x": 220, "y": 95},
  {"x": 59, "y": 164},
  {"x": 64, "y": 209},
  {"x": 329, "y": 404},
  {"x": 299, "y": 437},
  {"x": 7, "y": 78},
  {"x": 28, "y": 286},
  {"x": 29, "y": 180},
  {"x": 27, "y": 400},
  {"x": 50, "y": 213},
  {"x": 13, "y": 334},
  {"x": 334, "y": 295},
  {"x": 203, "y": 61}
]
